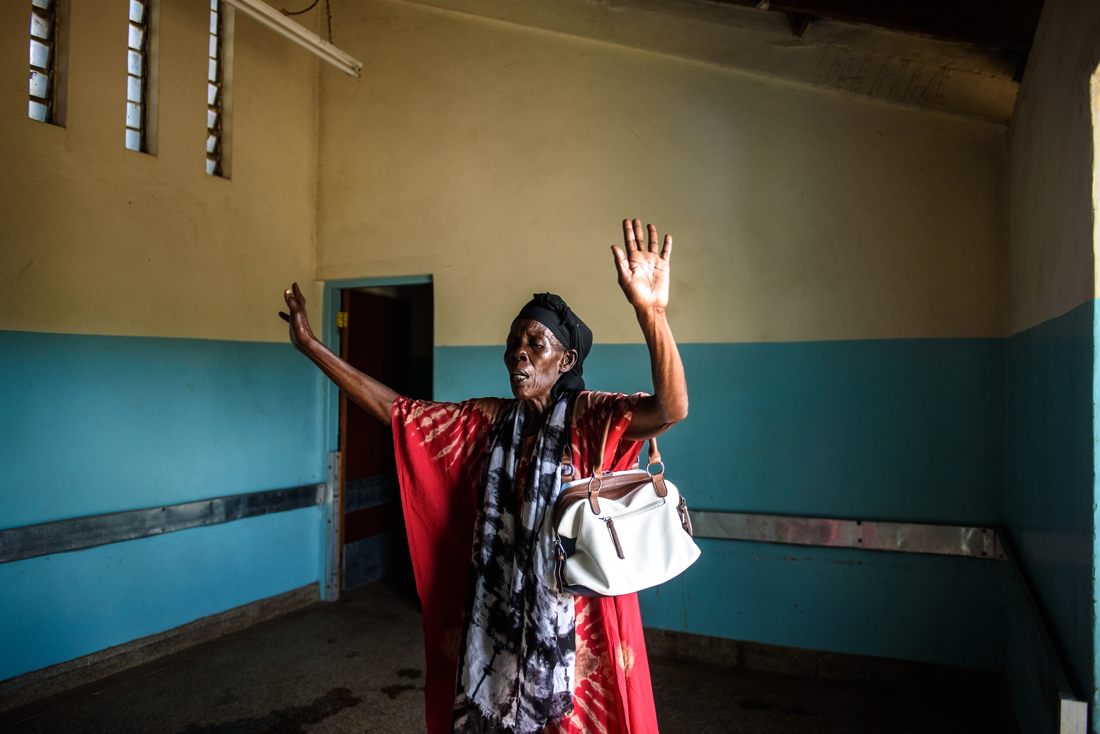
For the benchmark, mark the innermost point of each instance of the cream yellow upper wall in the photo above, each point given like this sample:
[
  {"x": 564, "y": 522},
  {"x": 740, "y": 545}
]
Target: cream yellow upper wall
[
  {"x": 501, "y": 159},
  {"x": 1051, "y": 261},
  {"x": 97, "y": 239}
]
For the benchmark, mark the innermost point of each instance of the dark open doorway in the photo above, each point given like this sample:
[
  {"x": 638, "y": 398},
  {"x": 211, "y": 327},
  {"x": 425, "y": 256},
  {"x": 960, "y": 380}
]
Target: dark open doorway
[{"x": 387, "y": 333}]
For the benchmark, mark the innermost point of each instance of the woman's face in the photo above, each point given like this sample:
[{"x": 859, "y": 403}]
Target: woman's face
[{"x": 535, "y": 360}]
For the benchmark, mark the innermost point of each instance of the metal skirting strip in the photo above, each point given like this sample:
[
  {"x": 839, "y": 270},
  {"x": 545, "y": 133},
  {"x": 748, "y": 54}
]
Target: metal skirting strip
[
  {"x": 78, "y": 533},
  {"x": 864, "y": 534}
]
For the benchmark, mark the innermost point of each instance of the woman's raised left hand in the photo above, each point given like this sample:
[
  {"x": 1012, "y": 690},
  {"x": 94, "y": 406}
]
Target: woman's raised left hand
[
  {"x": 643, "y": 268},
  {"x": 301, "y": 336}
]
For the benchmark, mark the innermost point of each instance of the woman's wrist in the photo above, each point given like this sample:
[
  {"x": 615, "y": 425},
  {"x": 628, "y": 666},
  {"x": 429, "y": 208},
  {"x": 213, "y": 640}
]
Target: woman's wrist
[
  {"x": 649, "y": 314},
  {"x": 310, "y": 346}
]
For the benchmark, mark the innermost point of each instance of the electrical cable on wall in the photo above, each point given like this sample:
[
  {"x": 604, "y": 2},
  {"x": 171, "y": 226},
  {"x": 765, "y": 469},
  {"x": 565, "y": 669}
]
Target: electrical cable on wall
[
  {"x": 284, "y": 11},
  {"x": 328, "y": 14},
  {"x": 279, "y": 22}
]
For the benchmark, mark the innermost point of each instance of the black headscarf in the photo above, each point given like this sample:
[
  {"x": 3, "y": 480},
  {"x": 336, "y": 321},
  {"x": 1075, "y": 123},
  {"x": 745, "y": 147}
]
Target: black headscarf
[{"x": 552, "y": 312}]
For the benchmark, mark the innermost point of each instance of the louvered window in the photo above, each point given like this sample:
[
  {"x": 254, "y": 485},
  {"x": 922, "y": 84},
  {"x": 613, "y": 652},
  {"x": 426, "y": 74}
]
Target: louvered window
[
  {"x": 137, "y": 77},
  {"x": 214, "y": 79},
  {"x": 43, "y": 57}
]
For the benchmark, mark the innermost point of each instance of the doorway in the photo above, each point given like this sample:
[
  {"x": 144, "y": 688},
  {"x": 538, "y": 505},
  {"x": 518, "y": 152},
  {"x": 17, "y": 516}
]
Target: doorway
[{"x": 386, "y": 332}]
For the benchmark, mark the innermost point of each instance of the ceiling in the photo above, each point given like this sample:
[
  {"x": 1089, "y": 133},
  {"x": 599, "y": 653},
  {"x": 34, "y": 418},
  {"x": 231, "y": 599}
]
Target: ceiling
[
  {"x": 963, "y": 57},
  {"x": 1007, "y": 25}
]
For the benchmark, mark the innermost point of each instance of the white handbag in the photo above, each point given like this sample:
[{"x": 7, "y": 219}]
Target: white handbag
[{"x": 620, "y": 532}]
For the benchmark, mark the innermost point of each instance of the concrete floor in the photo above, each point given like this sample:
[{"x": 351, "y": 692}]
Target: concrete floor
[{"x": 357, "y": 667}]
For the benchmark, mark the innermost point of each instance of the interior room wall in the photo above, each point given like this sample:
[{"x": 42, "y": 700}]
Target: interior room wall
[
  {"x": 839, "y": 292},
  {"x": 1050, "y": 496},
  {"x": 840, "y": 295},
  {"x": 141, "y": 359}
]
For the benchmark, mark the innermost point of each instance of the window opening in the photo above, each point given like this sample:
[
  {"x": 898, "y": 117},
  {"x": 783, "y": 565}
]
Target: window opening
[
  {"x": 137, "y": 77},
  {"x": 214, "y": 93},
  {"x": 43, "y": 60}
]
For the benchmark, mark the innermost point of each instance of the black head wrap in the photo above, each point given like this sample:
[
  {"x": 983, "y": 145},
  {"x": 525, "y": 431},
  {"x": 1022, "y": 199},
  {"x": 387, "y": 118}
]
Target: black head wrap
[{"x": 552, "y": 312}]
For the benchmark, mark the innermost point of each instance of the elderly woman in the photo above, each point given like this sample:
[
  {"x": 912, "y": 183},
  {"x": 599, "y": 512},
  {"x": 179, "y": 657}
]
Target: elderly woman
[{"x": 508, "y": 651}]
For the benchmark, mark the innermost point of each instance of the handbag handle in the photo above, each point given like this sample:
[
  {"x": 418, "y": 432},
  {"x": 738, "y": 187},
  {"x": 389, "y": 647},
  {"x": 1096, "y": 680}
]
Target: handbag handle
[{"x": 654, "y": 457}]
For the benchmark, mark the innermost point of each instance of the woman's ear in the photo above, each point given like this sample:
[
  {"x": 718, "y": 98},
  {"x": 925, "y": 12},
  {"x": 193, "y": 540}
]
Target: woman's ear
[{"x": 568, "y": 361}]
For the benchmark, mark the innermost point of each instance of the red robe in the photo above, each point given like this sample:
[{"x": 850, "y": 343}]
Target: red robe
[{"x": 439, "y": 449}]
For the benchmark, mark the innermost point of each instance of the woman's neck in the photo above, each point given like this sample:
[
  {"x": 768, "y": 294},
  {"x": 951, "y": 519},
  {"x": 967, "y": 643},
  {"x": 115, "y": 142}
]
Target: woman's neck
[{"x": 537, "y": 408}]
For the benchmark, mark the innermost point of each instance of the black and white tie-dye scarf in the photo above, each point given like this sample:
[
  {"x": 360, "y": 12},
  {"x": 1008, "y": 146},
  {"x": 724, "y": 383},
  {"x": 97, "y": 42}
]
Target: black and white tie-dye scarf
[{"x": 515, "y": 666}]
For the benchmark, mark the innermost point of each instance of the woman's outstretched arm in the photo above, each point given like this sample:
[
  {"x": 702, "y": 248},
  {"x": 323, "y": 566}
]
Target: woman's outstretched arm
[
  {"x": 367, "y": 392},
  {"x": 644, "y": 276}
]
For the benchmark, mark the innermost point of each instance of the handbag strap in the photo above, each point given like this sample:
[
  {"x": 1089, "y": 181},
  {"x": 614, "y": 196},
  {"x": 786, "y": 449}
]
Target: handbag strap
[
  {"x": 654, "y": 456},
  {"x": 568, "y": 469},
  {"x": 596, "y": 482}
]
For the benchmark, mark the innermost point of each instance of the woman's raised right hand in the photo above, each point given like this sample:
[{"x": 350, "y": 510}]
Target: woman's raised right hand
[{"x": 300, "y": 333}]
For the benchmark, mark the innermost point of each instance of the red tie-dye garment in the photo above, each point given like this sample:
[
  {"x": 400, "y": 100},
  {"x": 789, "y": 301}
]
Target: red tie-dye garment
[{"x": 439, "y": 449}]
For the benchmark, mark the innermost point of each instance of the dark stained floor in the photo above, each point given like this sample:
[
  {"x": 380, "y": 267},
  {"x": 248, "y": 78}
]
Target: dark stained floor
[{"x": 356, "y": 666}]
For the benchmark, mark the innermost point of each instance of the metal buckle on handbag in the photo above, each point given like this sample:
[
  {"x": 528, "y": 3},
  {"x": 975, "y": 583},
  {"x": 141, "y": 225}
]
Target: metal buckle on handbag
[{"x": 685, "y": 518}]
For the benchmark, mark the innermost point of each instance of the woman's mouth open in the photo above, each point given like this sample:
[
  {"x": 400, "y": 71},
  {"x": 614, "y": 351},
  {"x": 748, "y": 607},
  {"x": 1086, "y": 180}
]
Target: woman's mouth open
[{"x": 518, "y": 378}]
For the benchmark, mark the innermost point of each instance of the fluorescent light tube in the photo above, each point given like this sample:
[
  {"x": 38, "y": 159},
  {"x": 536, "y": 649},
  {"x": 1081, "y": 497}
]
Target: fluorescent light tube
[{"x": 287, "y": 28}]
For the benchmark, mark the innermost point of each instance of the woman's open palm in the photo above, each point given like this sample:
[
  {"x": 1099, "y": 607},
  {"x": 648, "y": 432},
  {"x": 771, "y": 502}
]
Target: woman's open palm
[{"x": 644, "y": 267}]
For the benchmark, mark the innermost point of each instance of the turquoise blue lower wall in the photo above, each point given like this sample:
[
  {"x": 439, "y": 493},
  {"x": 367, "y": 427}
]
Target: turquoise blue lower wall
[
  {"x": 936, "y": 609},
  {"x": 59, "y": 607},
  {"x": 94, "y": 424},
  {"x": 888, "y": 430},
  {"x": 1049, "y": 499},
  {"x": 907, "y": 429}
]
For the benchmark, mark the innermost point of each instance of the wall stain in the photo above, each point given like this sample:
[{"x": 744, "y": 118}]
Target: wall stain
[
  {"x": 284, "y": 721},
  {"x": 26, "y": 267},
  {"x": 409, "y": 673}
]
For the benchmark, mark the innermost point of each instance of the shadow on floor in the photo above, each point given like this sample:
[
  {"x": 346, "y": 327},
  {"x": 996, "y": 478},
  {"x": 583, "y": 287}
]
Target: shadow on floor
[
  {"x": 706, "y": 699},
  {"x": 357, "y": 667}
]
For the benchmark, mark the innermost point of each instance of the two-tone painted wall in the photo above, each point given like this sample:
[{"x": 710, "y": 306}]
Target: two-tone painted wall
[
  {"x": 845, "y": 275},
  {"x": 141, "y": 359},
  {"x": 1050, "y": 499},
  {"x": 838, "y": 292}
]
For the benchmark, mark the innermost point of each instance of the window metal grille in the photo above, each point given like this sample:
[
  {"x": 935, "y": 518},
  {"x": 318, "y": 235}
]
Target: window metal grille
[
  {"x": 43, "y": 59},
  {"x": 137, "y": 77},
  {"x": 214, "y": 92}
]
